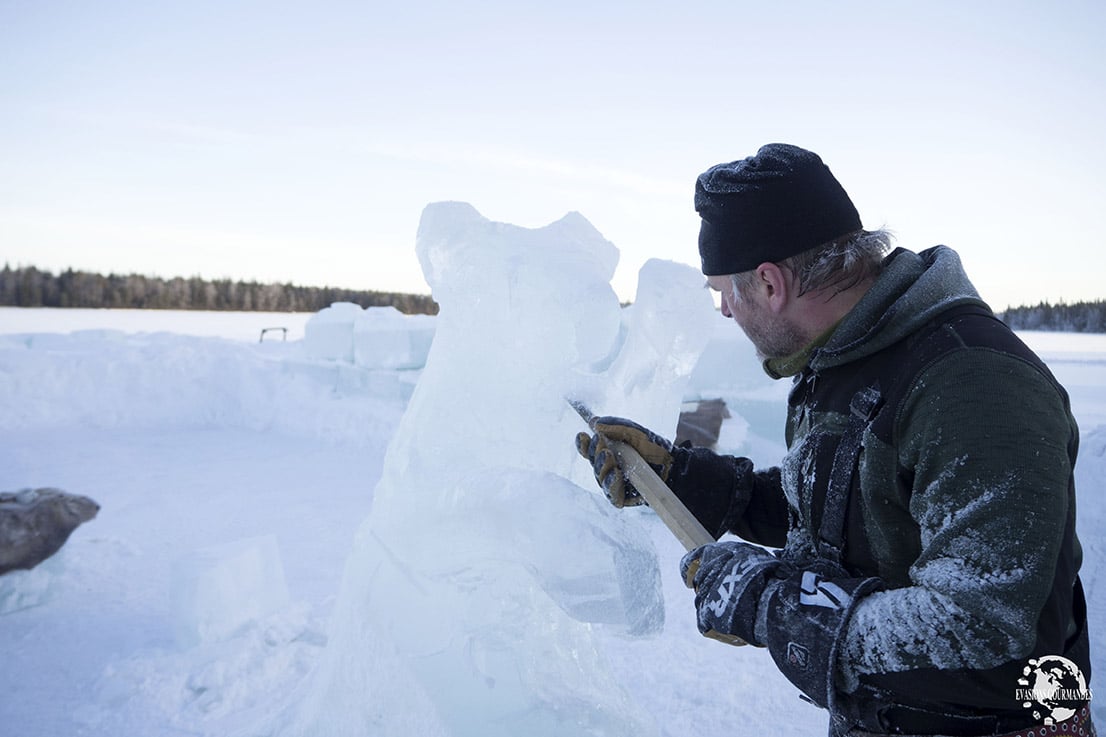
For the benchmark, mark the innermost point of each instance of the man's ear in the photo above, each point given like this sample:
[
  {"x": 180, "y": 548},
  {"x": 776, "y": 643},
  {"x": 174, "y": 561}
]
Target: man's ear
[{"x": 775, "y": 285}]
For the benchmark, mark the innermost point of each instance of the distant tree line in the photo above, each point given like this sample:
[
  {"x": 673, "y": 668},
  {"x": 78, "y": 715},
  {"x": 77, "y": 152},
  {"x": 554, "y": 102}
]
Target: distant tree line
[
  {"x": 1080, "y": 317},
  {"x": 31, "y": 287}
]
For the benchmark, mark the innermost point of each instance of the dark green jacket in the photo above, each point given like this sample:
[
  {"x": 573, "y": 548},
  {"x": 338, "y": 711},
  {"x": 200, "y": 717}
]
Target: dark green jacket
[{"x": 962, "y": 500}]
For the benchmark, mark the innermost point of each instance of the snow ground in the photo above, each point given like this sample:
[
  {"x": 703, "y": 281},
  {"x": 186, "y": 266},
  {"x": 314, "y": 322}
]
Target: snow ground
[{"x": 191, "y": 434}]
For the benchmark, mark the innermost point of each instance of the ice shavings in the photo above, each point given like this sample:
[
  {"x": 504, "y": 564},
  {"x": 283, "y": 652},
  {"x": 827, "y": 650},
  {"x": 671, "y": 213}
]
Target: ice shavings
[{"x": 227, "y": 680}]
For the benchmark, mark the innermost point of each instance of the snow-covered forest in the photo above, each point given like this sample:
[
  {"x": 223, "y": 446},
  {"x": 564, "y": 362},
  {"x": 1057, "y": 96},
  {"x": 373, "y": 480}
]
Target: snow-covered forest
[
  {"x": 1079, "y": 317},
  {"x": 27, "y": 286}
]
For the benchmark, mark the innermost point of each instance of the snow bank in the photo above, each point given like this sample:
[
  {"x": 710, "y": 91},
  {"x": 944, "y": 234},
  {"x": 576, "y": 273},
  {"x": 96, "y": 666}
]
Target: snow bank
[
  {"x": 243, "y": 326},
  {"x": 107, "y": 379}
]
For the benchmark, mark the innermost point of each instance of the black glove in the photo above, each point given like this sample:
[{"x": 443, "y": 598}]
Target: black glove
[
  {"x": 799, "y": 613},
  {"x": 729, "y": 579},
  {"x": 806, "y": 618},
  {"x": 654, "y": 450}
]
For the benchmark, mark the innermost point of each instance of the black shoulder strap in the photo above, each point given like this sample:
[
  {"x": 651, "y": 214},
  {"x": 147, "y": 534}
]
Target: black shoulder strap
[{"x": 831, "y": 533}]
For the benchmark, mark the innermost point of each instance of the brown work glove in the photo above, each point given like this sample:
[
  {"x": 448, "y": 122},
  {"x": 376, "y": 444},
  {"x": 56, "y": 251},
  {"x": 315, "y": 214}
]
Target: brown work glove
[{"x": 654, "y": 450}]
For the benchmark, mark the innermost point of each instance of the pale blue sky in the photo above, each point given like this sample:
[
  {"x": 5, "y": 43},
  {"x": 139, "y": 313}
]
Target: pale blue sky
[{"x": 300, "y": 141}]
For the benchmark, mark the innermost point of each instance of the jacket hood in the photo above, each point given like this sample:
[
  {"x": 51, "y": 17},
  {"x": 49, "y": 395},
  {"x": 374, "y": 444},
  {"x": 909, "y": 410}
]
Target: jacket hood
[{"x": 911, "y": 291}]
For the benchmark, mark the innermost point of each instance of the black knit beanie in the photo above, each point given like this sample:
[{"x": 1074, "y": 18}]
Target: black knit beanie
[{"x": 768, "y": 207}]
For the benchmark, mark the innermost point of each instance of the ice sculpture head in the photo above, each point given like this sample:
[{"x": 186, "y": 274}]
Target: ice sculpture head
[{"x": 504, "y": 278}]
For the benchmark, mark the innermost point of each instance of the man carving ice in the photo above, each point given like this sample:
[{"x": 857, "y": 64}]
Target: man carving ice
[{"x": 924, "y": 514}]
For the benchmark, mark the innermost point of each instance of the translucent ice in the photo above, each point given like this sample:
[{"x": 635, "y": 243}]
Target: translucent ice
[
  {"x": 25, "y": 589},
  {"x": 667, "y": 328},
  {"x": 219, "y": 589},
  {"x": 384, "y": 338},
  {"x": 329, "y": 332},
  {"x": 380, "y": 338},
  {"x": 473, "y": 587}
]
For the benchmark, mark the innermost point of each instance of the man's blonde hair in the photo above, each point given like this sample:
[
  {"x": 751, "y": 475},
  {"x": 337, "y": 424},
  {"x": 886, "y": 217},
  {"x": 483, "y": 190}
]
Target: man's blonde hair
[{"x": 837, "y": 265}]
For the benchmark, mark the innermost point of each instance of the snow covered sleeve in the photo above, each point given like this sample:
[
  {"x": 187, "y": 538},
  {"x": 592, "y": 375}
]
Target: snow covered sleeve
[{"x": 986, "y": 438}]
